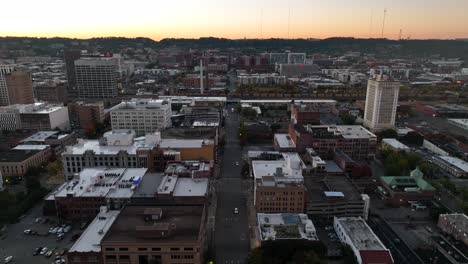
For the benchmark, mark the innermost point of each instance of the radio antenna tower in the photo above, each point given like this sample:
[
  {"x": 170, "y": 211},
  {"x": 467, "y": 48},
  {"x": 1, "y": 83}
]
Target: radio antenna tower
[
  {"x": 383, "y": 22},
  {"x": 401, "y": 31}
]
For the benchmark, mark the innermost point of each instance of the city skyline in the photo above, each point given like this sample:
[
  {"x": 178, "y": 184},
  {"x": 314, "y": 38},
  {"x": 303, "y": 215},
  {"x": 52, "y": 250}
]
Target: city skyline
[{"x": 418, "y": 19}]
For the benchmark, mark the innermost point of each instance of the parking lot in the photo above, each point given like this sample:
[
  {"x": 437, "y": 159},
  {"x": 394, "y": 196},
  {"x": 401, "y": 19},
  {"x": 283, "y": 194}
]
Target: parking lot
[{"x": 22, "y": 246}]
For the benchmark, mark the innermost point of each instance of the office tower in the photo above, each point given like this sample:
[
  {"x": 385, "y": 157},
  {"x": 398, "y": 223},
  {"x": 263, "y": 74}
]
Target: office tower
[
  {"x": 15, "y": 86},
  {"x": 4, "y": 70},
  {"x": 96, "y": 77},
  {"x": 70, "y": 56},
  {"x": 51, "y": 91},
  {"x": 381, "y": 103}
]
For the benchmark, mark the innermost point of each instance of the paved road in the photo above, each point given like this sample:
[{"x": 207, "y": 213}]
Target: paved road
[{"x": 231, "y": 230}]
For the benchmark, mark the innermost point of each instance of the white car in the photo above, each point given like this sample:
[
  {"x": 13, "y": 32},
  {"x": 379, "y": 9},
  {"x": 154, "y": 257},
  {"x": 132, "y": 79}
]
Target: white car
[
  {"x": 236, "y": 211},
  {"x": 237, "y": 163},
  {"x": 43, "y": 251},
  {"x": 8, "y": 259}
]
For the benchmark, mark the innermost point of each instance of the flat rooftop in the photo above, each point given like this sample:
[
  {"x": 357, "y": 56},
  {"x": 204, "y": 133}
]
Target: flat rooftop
[
  {"x": 319, "y": 186},
  {"x": 187, "y": 219},
  {"x": 103, "y": 182},
  {"x": 17, "y": 155},
  {"x": 338, "y": 131},
  {"x": 31, "y": 147},
  {"x": 136, "y": 104},
  {"x": 284, "y": 141},
  {"x": 456, "y": 162},
  {"x": 285, "y": 226},
  {"x": 40, "y": 136},
  {"x": 361, "y": 235},
  {"x": 90, "y": 240},
  {"x": 394, "y": 143},
  {"x": 290, "y": 168}
]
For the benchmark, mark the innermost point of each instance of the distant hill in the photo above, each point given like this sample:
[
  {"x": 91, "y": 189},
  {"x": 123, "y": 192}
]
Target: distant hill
[{"x": 334, "y": 46}]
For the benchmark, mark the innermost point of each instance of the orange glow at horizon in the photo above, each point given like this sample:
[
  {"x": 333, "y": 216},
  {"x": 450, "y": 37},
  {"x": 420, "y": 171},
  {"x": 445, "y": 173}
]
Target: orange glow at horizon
[{"x": 419, "y": 19}]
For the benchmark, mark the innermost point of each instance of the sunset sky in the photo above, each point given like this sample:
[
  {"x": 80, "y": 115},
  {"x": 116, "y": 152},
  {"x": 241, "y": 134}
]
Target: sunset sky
[{"x": 159, "y": 19}]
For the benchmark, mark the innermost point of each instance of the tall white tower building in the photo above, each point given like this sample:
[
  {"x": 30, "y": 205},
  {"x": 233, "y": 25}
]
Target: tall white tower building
[{"x": 381, "y": 103}]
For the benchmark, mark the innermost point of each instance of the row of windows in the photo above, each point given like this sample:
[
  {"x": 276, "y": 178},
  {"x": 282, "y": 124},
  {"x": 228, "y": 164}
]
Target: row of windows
[{"x": 152, "y": 249}]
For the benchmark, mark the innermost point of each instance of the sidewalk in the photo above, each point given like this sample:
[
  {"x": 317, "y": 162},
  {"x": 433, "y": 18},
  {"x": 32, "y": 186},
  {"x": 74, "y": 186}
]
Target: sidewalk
[{"x": 251, "y": 214}]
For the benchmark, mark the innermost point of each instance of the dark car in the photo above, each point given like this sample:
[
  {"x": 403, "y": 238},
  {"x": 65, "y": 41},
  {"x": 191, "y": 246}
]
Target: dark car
[{"x": 37, "y": 251}]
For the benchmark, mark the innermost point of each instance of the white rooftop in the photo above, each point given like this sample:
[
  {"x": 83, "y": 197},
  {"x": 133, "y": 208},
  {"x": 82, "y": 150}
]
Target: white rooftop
[
  {"x": 287, "y": 170},
  {"x": 394, "y": 143},
  {"x": 285, "y": 101},
  {"x": 90, "y": 240},
  {"x": 103, "y": 182},
  {"x": 460, "y": 164},
  {"x": 31, "y": 147},
  {"x": 191, "y": 187},
  {"x": 284, "y": 141},
  {"x": 361, "y": 235},
  {"x": 285, "y": 226},
  {"x": 40, "y": 136},
  {"x": 136, "y": 104}
]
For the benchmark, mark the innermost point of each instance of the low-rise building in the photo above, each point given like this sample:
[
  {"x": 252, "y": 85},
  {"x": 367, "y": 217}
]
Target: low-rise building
[
  {"x": 356, "y": 141},
  {"x": 364, "y": 243},
  {"x": 285, "y": 226},
  {"x": 86, "y": 115},
  {"x": 179, "y": 190},
  {"x": 399, "y": 190},
  {"x": 142, "y": 115},
  {"x": 283, "y": 142},
  {"x": 9, "y": 119},
  {"x": 455, "y": 166},
  {"x": 16, "y": 162},
  {"x": 37, "y": 116},
  {"x": 261, "y": 79},
  {"x": 165, "y": 234},
  {"x": 394, "y": 144},
  {"x": 329, "y": 196},
  {"x": 189, "y": 169},
  {"x": 53, "y": 92},
  {"x": 462, "y": 123},
  {"x": 57, "y": 140},
  {"x": 278, "y": 185},
  {"x": 87, "y": 249},
  {"x": 120, "y": 148},
  {"x": 81, "y": 197},
  {"x": 455, "y": 225},
  {"x": 306, "y": 114}
]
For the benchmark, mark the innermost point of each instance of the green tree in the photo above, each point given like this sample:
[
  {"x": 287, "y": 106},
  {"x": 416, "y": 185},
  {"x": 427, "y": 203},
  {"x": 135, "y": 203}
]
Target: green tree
[{"x": 348, "y": 119}]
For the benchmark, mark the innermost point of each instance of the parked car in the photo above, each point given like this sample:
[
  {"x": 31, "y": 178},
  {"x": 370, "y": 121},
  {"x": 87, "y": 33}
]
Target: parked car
[
  {"x": 37, "y": 251},
  {"x": 38, "y": 220},
  {"x": 8, "y": 259},
  {"x": 27, "y": 231},
  {"x": 49, "y": 253},
  {"x": 43, "y": 251},
  {"x": 66, "y": 229},
  {"x": 60, "y": 230},
  {"x": 60, "y": 237},
  {"x": 236, "y": 211}
]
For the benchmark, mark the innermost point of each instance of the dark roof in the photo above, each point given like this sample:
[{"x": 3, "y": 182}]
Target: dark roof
[
  {"x": 376, "y": 256},
  {"x": 187, "y": 219},
  {"x": 17, "y": 155}
]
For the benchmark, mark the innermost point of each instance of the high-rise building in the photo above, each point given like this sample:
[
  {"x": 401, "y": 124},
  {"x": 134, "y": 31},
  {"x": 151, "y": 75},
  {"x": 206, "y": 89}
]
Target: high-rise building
[
  {"x": 70, "y": 56},
  {"x": 381, "y": 103},
  {"x": 96, "y": 77},
  {"x": 15, "y": 85},
  {"x": 86, "y": 115},
  {"x": 4, "y": 70},
  {"x": 52, "y": 92}
]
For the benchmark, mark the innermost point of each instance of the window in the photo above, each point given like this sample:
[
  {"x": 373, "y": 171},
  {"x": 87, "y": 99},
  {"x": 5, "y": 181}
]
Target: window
[
  {"x": 123, "y": 249},
  {"x": 110, "y": 249},
  {"x": 188, "y": 249},
  {"x": 175, "y": 249},
  {"x": 156, "y": 249},
  {"x": 142, "y": 249},
  {"x": 111, "y": 257},
  {"x": 124, "y": 257}
]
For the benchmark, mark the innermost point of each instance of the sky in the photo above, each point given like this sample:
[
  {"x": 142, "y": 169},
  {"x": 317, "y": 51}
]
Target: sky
[{"x": 158, "y": 19}]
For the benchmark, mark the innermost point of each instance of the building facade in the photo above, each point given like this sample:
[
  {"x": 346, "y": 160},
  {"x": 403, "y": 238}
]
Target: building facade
[
  {"x": 96, "y": 77},
  {"x": 142, "y": 115},
  {"x": 52, "y": 92},
  {"x": 381, "y": 103},
  {"x": 16, "y": 162},
  {"x": 19, "y": 86},
  {"x": 4, "y": 70}
]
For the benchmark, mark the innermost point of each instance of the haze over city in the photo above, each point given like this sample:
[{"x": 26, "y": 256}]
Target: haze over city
[{"x": 418, "y": 19}]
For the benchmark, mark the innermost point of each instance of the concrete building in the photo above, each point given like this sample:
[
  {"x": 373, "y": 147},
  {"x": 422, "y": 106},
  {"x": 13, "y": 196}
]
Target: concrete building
[
  {"x": 70, "y": 56},
  {"x": 364, "y": 243},
  {"x": 86, "y": 115},
  {"x": 55, "y": 139},
  {"x": 462, "y": 123},
  {"x": 296, "y": 58},
  {"x": 9, "y": 119},
  {"x": 399, "y": 190},
  {"x": 278, "y": 185},
  {"x": 356, "y": 141},
  {"x": 19, "y": 86},
  {"x": 177, "y": 190},
  {"x": 455, "y": 225},
  {"x": 120, "y": 148},
  {"x": 455, "y": 166},
  {"x": 394, "y": 144},
  {"x": 336, "y": 195},
  {"x": 87, "y": 249},
  {"x": 381, "y": 103},
  {"x": 284, "y": 143},
  {"x": 16, "y": 162},
  {"x": 81, "y": 197},
  {"x": 96, "y": 77},
  {"x": 38, "y": 116},
  {"x": 142, "y": 115},
  {"x": 168, "y": 234},
  {"x": 285, "y": 226},
  {"x": 52, "y": 92},
  {"x": 4, "y": 70},
  {"x": 297, "y": 70},
  {"x": 261, "y": 79}
]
